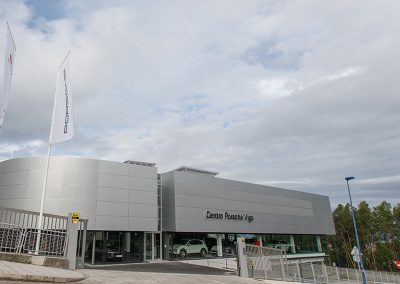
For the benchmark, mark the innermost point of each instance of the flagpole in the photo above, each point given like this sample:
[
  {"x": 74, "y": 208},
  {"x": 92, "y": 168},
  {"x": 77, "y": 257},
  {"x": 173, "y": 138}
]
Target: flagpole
[
  {"x": 12, "y": 39},
  {"x": 40, "y": 225},
  {"x": 42, "y": 201}
]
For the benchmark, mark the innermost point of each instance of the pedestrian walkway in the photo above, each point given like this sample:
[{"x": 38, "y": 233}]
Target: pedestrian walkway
[{"x": 29, "y": 272}]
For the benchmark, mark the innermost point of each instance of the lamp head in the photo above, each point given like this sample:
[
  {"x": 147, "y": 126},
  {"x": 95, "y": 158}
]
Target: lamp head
[{"x": 349, "y": 178}]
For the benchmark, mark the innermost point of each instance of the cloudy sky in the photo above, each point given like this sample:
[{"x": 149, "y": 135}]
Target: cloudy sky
[{"x": 294, "y": 94}]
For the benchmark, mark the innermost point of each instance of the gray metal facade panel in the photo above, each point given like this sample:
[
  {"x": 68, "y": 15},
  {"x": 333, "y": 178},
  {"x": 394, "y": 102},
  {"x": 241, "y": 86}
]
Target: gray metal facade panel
[
  {"x": 116, "y": 196},
  {"x": 275, "y": 210},
  {"x": 102, "y": 191},
  {"x": 145, "y": 184},
  {"x": 143, "y": 172},
  {"x": 168, "y": 201}
]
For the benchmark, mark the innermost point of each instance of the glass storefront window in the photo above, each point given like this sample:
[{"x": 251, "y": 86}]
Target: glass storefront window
[
  {"x": 113, "y": 247},
  {"x": 134, "y": 253},
  {"x": 306, "y": 243}
]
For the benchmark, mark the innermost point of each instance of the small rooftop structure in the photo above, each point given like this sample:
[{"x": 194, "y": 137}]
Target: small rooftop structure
[
  {"x": 138, "y": 163},
  {"x": 194, "y": 170}
]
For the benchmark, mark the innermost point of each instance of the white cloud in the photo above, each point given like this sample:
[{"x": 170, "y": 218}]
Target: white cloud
[
  {"x": 303, "y": 93},
  {"x": 381, "y": 180}
]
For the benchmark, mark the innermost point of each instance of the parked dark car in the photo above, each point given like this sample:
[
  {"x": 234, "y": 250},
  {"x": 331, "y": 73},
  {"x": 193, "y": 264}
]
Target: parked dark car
[{"x": 112, "y": 251}]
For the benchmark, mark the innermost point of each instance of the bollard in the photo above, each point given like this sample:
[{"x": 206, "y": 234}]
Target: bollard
[
  {"x": 242, "y": 258},
  {"x": 72, "y": 233}
]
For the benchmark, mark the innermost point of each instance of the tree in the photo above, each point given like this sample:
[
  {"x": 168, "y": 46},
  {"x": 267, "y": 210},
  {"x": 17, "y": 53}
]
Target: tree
[
  {"x": 364, "y": 221},
  {"x": 344, "y": 234},
  {"x": 379, "y": 235}
]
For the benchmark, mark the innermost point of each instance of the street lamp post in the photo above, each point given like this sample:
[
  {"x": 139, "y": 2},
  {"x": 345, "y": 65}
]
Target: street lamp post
[{"x": 361, "y": 267}]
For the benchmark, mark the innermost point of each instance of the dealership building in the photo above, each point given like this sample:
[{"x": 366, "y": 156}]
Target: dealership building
[{"x": 136, "y": 214}]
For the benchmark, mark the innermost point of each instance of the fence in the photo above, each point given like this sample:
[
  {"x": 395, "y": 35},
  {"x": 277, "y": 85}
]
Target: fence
[
  {"x": 272, "y": 264},
  {"x": 227, "y": 261},
  {"x": 266, "y": 262},
  {"x": 18, "y": 233},
  {"x": 321, "y": 273},
  {"x": 10, "y": 238}
]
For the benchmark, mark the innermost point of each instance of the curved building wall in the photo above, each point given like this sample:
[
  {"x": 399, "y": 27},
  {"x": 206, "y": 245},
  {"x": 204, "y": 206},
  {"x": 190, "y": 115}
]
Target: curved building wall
[{"x": 112, "y": 195}]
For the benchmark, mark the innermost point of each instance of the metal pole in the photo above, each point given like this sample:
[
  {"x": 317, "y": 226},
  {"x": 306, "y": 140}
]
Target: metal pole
[
  {"x": 364, "y": 278},
  {"x": 313, "y": 273},
  {"x": 298, "y": 271},
  {"x": 326, "y": 272},
  {"x": 93, "y": 246},
  {"x": 47, "y": 167},
  {"x": 42, "y": 202},
  {"x": 337, "y": 274}
]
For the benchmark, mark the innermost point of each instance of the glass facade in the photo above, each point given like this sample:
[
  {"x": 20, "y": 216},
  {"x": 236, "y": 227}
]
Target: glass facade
[
  {"x": 113, "y": 247},
  {"x": 117, "y": 247},
  {"x": 224, "y": 244}
]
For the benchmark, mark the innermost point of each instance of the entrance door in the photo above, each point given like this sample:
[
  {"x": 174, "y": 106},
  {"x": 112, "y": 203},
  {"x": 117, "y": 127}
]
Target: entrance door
[{"x": 152, "y": 246}]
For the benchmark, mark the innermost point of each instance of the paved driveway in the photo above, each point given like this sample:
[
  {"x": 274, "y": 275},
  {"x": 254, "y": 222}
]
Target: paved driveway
[
  {"x": 165, "y": 272},
  {"x": 122, "y": 277},
  {"x": 166, "y": 267}
]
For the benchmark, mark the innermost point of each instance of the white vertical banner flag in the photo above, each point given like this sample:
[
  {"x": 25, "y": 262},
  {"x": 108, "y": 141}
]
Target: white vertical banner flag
[
  {"x": 62, "y": 124},
  {"x": 7, "y": 75}
]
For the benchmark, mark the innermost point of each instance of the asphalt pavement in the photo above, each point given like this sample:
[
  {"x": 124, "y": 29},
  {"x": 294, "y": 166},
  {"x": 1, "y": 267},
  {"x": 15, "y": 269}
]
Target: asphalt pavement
[
  {"x": 165, "y": 267},
  {"x": 103, "y": 276}
]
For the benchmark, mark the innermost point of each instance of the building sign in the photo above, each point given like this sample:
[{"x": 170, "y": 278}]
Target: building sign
[{"x": 228, "y": 216}]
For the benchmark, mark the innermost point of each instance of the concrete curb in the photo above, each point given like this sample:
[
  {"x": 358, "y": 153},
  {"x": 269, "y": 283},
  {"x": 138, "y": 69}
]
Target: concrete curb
[
  {"x": 49, "y": 261},
  {"x": 41, "y": 278}
]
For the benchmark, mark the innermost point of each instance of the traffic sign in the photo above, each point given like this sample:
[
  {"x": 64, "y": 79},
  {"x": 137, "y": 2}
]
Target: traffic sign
[
  {"x": 398, "y": 264},
  {"x": 356, "y": 254}
]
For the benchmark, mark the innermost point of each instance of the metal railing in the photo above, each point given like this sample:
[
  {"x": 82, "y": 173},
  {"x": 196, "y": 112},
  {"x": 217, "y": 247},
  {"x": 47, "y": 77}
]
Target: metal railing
[
  {"x": 227, "y": 261},
  {"x": 18, "y": 232},
  {"x": 321, "y": 273},
  {"x": 52, "y": 242},
  {"x": 271, "y": 264},
  {"x": 266, "y": 262},
  {"x": 10, "y": 238}
]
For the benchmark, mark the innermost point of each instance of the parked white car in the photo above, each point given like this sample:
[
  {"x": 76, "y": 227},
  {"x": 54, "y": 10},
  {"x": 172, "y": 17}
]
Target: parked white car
[
  {"x": 186, "y": 247},
  {"x": 279, "y": 244}
]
